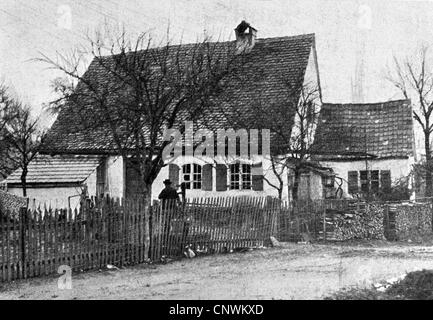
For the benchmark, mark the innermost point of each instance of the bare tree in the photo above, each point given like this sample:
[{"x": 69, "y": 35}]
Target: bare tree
[
  {"x": 64, "y": 88},
  {"x": 140, "y": 89},
  {"x": 22, "y": 138},
  {"x": 7, "y": 103},
  {"x": 414, "y": 78},
  {"x": 7, "y": 113},
  {"x": 292, "y": 122}
]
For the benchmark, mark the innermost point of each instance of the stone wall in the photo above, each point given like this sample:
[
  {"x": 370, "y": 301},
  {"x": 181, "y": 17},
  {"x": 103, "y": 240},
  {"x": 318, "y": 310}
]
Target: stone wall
[{"x": 410, "y": 221}]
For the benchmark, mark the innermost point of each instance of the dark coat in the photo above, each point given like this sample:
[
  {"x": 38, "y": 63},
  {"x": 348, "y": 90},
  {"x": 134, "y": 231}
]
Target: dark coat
[{"x": 168, "y": 193}]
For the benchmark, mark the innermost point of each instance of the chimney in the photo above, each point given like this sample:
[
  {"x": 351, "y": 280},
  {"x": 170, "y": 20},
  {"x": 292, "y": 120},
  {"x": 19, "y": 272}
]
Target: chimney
[{"x": 245, "y": 37}]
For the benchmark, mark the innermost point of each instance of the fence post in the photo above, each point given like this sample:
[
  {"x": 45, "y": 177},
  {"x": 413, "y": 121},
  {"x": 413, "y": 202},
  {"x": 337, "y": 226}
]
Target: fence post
[
  {"x": 147, "y": 229},
  {"x": 23, "y": 227},
  {"x": 324, "y": 223}
]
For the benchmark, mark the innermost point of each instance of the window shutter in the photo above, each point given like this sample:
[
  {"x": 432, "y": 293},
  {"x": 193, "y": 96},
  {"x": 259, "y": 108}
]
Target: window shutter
[
  {"x": 206, "y": 177},
  {"x": 221, "y": 177},
  {"x": 257, "y": 176},
  {"x": 353, "y": 182},
  {"x": 101, "y": 177},
  {"x": 385, "y": 180},
  {"x": 173, "y": 174}
]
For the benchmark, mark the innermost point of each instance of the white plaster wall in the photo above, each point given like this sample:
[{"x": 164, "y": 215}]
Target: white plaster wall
[
  {"x": 115, "y": 177},
  {"x": 399, "y": 168},
  {"x": 115, "y": 183},
  {"x": 311, "y": 86},
  {"x": 57, "y": 197},
  {"x": 311, "y": 72},
  {"x": 267, "y": 189},
  {"x": 91, "y": 183}
]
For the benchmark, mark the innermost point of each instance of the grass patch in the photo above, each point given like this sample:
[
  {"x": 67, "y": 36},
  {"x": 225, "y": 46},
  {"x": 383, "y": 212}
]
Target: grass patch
[{"x": 417, "y": 285}]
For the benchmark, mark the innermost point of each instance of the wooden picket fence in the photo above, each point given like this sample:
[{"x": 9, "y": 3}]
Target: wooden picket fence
[
  {"x": 212, "y": 225},
  {"x": 36, "y": 242}
]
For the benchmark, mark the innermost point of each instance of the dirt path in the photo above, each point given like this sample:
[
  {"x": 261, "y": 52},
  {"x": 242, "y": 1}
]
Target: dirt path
[{"x": 291, "y": 272}]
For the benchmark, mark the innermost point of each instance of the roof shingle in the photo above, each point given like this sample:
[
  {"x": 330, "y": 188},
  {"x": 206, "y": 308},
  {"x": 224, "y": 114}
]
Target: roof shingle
[
  {"x": 384, "y": 130},
  {"x": 271, "y": 63},
  {"x": 57, "y": 169}
]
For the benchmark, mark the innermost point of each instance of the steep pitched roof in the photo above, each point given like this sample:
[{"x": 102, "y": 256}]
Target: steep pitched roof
[
  {"x": 64, "y": 169},
  {"x": 384, "y": 130},
  {"x": 271, "y": 62}
]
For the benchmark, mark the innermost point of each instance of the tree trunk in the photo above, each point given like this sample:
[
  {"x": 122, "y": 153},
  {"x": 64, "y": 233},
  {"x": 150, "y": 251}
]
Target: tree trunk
[
  {"x": 24, "y": 182},
  {"x": 147, "y": 197},
  {"x": 147, "y": 193},
  {"x": 428, "y": 158}
]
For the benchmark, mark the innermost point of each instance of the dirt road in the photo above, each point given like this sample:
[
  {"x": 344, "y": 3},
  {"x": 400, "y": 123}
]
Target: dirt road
[{"x": 294, "y": 271}]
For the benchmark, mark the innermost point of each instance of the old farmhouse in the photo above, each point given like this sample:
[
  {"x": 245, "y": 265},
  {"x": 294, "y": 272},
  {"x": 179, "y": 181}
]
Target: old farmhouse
[
  {"x": 74, "y": 158},
  {"x": 361, "y": 148}
]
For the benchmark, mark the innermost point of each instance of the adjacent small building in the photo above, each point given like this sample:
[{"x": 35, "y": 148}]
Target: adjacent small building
[
  {"x": 59, "y": 179},
  {"x": 369, "y": 146}
]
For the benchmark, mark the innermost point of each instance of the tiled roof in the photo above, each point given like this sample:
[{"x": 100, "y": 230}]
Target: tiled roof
[
  {"x": 57, "y": 169},
  {"x": 270, "y": 65},
  {"x": 384, "y": 130}
]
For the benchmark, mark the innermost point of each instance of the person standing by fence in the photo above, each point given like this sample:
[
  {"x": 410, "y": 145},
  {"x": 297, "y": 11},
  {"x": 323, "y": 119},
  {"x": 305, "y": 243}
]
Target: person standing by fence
[
  {"x": 168, "y": 195},
  {"x": 169, "y": 200}
]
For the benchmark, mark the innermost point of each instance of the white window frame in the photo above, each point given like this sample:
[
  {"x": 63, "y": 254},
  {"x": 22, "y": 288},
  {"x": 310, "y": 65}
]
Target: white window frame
[
  {"x": 370, "y": 181},
  {"x": 195, "y": 174},
  {"x": 245, "y": 178}
]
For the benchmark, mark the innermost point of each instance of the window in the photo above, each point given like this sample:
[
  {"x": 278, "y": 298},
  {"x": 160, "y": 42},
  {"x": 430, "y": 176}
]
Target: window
[
  {"x": 363, "y": 177},
  {"x": 240, "y": 176},
  {"x": 370, "y": 181},
  {"x": 374, "y": 181},
  {"x": 192, "y": 176},
  {"x": 328, "y": 181}
]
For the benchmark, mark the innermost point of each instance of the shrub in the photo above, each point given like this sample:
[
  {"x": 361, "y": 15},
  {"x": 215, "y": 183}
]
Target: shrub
[{"x": 417, "y": 285}]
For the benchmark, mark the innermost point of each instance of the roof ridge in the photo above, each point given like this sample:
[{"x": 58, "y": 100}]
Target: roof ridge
[
  {"x": 268, "y": 39},
  {"x": 298, "y": 36}
]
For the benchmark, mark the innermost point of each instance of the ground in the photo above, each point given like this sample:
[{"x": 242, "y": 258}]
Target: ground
[{"x": 293, "y": 271}]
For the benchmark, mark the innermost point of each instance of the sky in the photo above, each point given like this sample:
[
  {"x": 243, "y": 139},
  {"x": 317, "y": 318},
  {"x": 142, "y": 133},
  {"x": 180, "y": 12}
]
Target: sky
[{"x": 350, "y": 35}]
